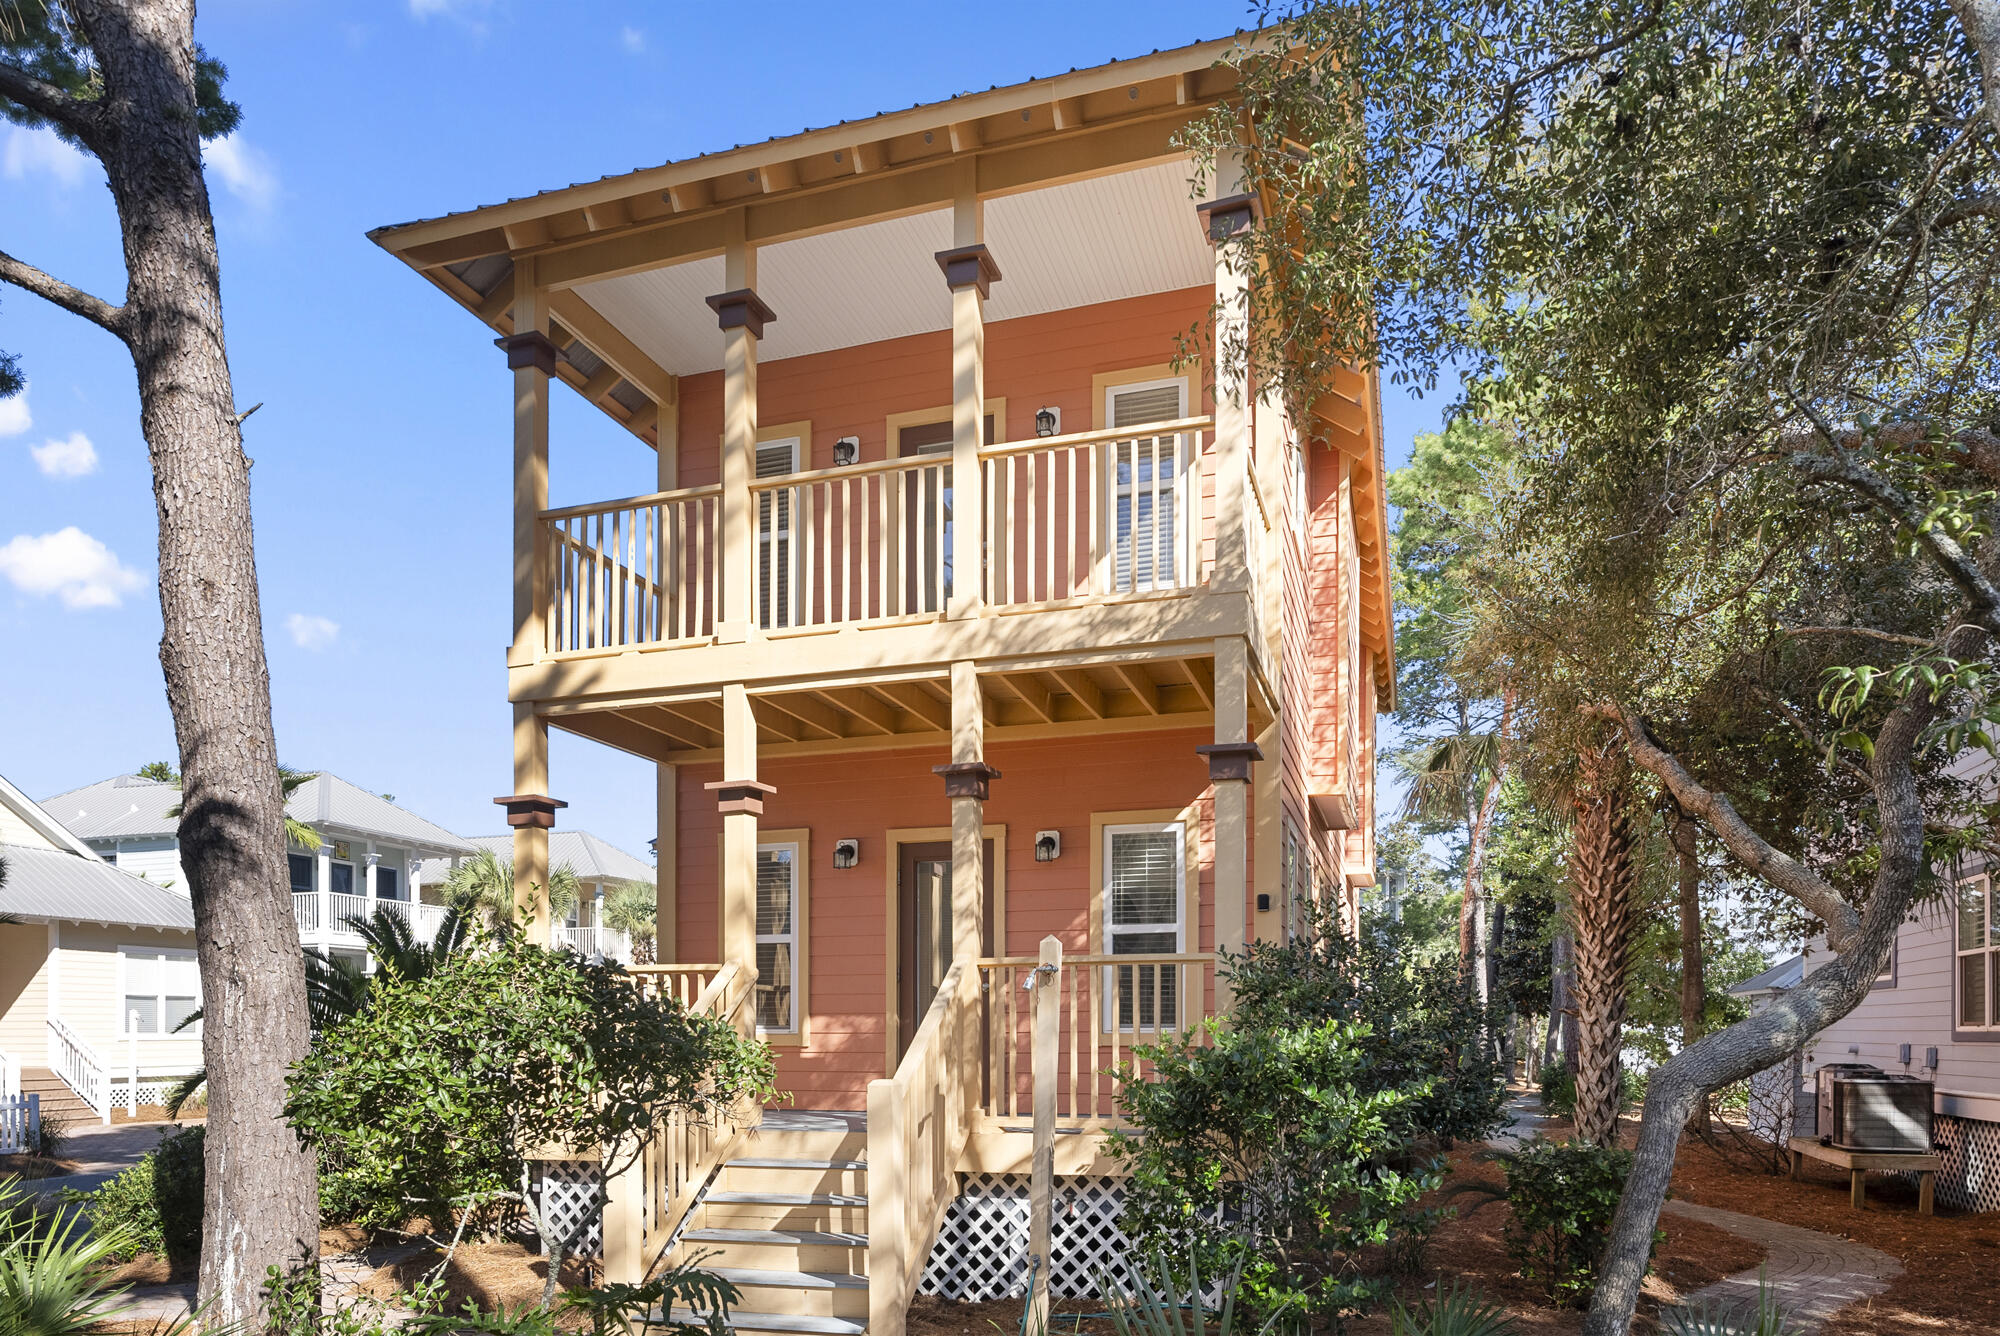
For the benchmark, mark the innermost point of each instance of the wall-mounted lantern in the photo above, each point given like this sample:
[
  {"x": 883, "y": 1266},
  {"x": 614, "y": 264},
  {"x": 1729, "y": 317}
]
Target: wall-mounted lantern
[
  {"x": 1048, "y": 846},
  {"x": 846, "y": 451},
  {"x": 1048, "y": 421},
  {"x": 846, "y": 853}
]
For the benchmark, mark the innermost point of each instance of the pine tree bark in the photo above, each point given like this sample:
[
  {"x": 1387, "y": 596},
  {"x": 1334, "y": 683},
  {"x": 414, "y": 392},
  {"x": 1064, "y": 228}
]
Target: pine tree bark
[
  {"x": 1603, "y": 870},
  {"x": 260, "y": 1207},
  {"x": 1562, "y": 998},
  {"x": 1694, "y": 987}
]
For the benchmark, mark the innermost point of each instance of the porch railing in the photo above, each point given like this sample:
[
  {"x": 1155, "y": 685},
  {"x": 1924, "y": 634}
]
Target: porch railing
[
  {"x": 20, "y": 1124},
  {"x": 73, "y": 1059},
  {"x": 683, "y": 983},
  {"x": 308, "y": 906},
  {"x": 610, "y": 943},
  {"x": 686, "y": 1154},
  {"x": 645, "y": 570},
  {"x": 1114, "y": 512},
  {"x": 853, "y": 544},
  {"x": 1107, "y": 1005}
]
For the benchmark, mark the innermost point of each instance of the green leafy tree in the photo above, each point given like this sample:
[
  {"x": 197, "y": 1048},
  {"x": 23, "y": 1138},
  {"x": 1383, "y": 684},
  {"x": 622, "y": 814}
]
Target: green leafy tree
[
  {"x": 160, "y": 772},
  {"x": 432, "y": 1100},
  {"x": 125, "y": 82}
]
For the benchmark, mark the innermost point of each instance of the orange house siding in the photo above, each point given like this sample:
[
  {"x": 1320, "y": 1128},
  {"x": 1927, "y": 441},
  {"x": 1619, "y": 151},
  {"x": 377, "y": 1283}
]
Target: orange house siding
[{"x": 1052, "y": 785}]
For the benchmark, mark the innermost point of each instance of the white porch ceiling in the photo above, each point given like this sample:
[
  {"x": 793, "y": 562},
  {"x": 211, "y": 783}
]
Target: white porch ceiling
[{"x": 1099, "y": 240}]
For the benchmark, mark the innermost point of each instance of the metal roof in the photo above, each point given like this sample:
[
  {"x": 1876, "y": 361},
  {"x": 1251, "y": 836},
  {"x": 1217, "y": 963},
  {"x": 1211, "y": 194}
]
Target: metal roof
[
  {"x": 714, "y": 154},
  {"x": 589, "y": 856},
  {"x": 129, "y": 807},
  {"x": 1784, "y": 974},
  {"x": 45, "y": 884}
]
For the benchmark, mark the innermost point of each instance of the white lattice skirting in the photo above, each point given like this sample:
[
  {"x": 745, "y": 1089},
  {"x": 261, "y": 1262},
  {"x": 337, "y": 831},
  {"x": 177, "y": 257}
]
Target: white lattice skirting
[
  {"x": 982, "y": 1249},
  {"x": 1969, "y": 1163},
  {"x": 150, "y": 1092},
  {"x": 570, "y": 1190}
]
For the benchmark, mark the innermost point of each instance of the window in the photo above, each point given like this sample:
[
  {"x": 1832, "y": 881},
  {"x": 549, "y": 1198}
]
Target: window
[
  {"x": 777, "y": 937},
  {"x": 774, "y": 534},
  {"x": 1146, "y": 473},
  {"x": 927, "y": 513},
  {"x": 303, "y": 880},
  {"x": 1144, "y": 904},
  {"x": 388, "y": 883},
  {"x": 160, "y": 988},
  {"x": 343, "y": 878},
  {"x": 1978, "y": 962}
]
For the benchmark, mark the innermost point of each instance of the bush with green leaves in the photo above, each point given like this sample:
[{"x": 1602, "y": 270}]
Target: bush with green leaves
[
  {"x": 1276, "y": 1153},
  {"x": 53, "y": 1269},
  {"x": 154, "y": 1206},
  {"x": 1421, "y": 1026},
  {"x": 1562, "y": 1195},
  {"x": 431, "y": 1101},
  {"x": 1457, "y": 1310}
]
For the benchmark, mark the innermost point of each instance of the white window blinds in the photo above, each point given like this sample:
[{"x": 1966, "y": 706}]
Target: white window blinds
[
  {"x": 774, "y": 535},
  {"x": 1144, "y": 901},
  {"x": 777, "y": 937},
  {"x": 161, "y": 989},
  {"x": 1146, "y": 486}
]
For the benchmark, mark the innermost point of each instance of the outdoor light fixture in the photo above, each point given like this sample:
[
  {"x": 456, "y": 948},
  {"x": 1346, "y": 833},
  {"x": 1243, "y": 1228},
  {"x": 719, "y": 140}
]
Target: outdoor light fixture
[
  {"x": 846, "y": 853},
  {"x": 846, "y": 450},
  {"x": 1048, "y": 421},
  {"x": 1048, "y": 846}
]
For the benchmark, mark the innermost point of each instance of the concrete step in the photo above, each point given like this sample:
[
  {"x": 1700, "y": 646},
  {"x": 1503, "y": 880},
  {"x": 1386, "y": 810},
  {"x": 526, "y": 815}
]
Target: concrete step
[{"x": 806, "y": 1293}]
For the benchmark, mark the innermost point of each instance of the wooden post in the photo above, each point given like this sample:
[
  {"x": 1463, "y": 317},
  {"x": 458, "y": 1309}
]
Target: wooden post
[
  {"x": 966, "y": 780},
  {"x": 1042, "y": 1179},
  {"x": 531, "y": 842},
  {"x": 1857, "y": 1189},
  {"x": 969, "y": 272},
  {"x": 1926, "y": 1191},
  {"x": 740, "y": 800},
  {"x": 323, "y": 884},
  {"x": 532, "y": 359},
  {"x": 131, "y": 1065},
  {"x": 624, "y": 1224},
  {"x": 1231, "y": 212},
  {"x": 1229, "y": 762},
  {"x": 888, "y": 1197},
  {"x": 741, "y": 317},
  {"x": 666, "y": 865}
]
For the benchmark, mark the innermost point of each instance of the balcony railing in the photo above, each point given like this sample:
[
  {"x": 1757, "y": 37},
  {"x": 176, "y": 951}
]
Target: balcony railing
[
  {"x": 327, "y": 916},
  {"x": 1097, "y": 515}
]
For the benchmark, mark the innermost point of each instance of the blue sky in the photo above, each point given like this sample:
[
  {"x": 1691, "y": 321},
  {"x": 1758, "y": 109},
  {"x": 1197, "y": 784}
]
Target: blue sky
[{"x": 382, "y": 451}]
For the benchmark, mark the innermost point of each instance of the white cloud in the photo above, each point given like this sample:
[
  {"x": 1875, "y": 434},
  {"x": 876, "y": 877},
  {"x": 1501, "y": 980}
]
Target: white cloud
[
  {"x": 14, "y": 415},
  {"x": 72, "y": 458},
  {"x": 632, "y": 40},
  {"x": 312, "y": 632},
  {"x": 246, "y": 172},
  {"x": 71, "y": 564},
  {"x": 462, "y": 10},
  {"x": 34, "y": 151}
]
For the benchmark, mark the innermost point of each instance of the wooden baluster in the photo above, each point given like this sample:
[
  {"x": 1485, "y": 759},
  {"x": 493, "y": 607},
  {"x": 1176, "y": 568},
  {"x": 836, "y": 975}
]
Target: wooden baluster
[
  {"x": 1075, "y": 1031},
  {"x": 1153, "y": 484},
  {"x": 989, "y": 471},
  {"x": 596, "y": 528},
  {"x": 1048, "y": 503},
  {"x": 1034, "y": 505}
]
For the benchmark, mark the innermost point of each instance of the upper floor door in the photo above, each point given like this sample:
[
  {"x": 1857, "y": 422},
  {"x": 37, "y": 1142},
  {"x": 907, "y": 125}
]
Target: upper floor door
[
  {"x": 1152, "y": 506},
  {"x": 927, "y": 515}
]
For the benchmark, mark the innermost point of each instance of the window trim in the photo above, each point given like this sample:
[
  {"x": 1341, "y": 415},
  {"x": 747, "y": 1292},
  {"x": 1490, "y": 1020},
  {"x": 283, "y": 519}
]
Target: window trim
[
  {"x": 1184, "y": 506},
  {"x": 1102, "y": 826},
  {"x": 1960, "y": 1033},
  {"x": 126, "y": 951},
  {"x": 800, "y": 842}
]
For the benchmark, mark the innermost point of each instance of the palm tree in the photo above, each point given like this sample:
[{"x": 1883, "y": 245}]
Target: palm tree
[
  {"x": 484, "y": 885},
  {"x": 633, "y": 909},
  {"x": 1603, "y": 870}
]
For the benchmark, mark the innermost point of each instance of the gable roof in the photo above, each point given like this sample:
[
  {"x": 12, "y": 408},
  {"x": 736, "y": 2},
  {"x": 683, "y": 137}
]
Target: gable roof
[
  {"x": 591, "y": 857},
  {"x": 1785, "y": 974},
  {"x": 128, "y": 807},
  {"x": 67, "y": 886}
]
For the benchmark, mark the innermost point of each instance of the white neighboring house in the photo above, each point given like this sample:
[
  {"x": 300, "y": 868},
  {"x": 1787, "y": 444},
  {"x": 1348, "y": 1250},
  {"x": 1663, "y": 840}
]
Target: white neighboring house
[
  {"x": 367, "y": 860},
  {"x": 600, "y": 866},
  {"x": 97, "y": 969}
]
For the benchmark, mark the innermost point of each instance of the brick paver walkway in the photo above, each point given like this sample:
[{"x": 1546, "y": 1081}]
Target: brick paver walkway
[{"x": 1813, "y": 1275}]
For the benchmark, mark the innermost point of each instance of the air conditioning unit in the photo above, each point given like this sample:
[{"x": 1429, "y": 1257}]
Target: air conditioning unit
[{"x": 1864, "y": 1108}]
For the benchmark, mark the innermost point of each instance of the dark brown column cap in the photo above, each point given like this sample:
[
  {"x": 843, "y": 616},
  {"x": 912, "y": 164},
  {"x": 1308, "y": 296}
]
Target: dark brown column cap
[
  {"x": 969, "y": 266},
  {"x": 1223, "y": 218},
  {"x": 742, "y": 309},
  {"x": 532, "y": 348},
  {"x": 740, "y": 795},
  {"x": 966, "y": 779},
  {"x": 536, "y": 810},
  {"x": 1230, "y": 760}
]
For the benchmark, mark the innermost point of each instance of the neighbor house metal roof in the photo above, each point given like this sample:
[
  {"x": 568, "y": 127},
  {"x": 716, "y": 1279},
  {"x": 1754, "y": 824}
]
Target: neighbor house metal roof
[
  {"x": 587, "y": 855},
  {"x": 44, "y": 884},
  {"x": 1784, "y": 974},
  {"x": 128, "y": 807}
]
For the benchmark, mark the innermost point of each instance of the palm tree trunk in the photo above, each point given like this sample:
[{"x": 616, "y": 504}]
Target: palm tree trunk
[{"x": 1603, "y": 870}]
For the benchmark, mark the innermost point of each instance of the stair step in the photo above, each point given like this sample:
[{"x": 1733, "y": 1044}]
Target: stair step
[
  {"x": 809, "y": 1323},
  {"x": 754, "y": 1162},
  {"x": 785, "y": 1199},
  {"x": 802, "y": 1237},
  {"x": 789, "y": 1280}
]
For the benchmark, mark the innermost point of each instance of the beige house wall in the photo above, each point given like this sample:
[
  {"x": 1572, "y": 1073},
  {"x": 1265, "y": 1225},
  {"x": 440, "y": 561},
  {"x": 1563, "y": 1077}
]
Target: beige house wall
[{"x": 24, "y": 987}]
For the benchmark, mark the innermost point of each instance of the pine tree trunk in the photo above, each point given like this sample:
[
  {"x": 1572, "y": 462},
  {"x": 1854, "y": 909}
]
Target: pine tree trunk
[
  {"x": 1562, "y": 997},
  {"x": 1603, "y": 870},
  {"x": 261, "y": 1205},
  {"x": 1694, "y": 988}
]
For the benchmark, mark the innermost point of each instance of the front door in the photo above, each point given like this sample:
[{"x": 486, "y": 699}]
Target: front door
[{"x": 923, "y": 917}]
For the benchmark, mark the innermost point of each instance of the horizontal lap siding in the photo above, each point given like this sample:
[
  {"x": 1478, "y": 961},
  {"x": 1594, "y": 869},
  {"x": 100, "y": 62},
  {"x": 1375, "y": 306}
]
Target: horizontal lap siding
[
  {"x": 24, "y": 988},
  {"x": 89, "y": 1002},
  {"x": 1053, "y": 785},
  {"x": 1917, "y": 1011}
]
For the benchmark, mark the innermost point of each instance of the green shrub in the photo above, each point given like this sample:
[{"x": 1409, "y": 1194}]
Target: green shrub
[
  {"x": 1456, "y": 1311},
  {"x": 1563, "y": 1195},
  {"x": 155, "y": 1206},
  {"x": 52, "y": 1269}
]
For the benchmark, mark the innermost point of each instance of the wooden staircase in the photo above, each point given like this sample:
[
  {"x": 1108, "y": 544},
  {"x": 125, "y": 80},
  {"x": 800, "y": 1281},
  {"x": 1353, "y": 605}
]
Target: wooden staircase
[
  {"x": 58, "y": 1100},
  {"x": 786, "y": 1222}
]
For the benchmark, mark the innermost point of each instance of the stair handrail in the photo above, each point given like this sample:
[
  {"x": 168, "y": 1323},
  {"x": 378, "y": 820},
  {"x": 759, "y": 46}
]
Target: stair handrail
[
  {"x": 73, "y": 1059},
  {"x": 918, "y": 1123}
]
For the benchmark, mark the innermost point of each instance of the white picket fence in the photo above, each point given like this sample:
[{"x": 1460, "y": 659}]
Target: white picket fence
[{"x": 20, "y": 1124}]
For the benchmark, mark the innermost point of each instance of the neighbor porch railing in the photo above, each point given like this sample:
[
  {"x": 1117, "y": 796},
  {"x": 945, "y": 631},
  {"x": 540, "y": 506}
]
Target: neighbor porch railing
[
  {"x": 611, "y": 943},
  {"x": 80, "y": 1067},
  {"x": 1108, "y": 1005},
  {"x": 644, "y": 570},
  {"x": 20, "y": 1124},
  {"x": 312, "y": 911}
]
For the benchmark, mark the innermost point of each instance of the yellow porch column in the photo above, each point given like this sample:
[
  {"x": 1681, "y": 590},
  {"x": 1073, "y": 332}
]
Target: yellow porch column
[
  {"x": 742, "y": 317},
  {"x": 969, "y": 271},
  {"x": 1229, "y": 215},
  {"x": 666, "y": 869},
  {"x": 965, "y": 782},
  {"x": 1230, "y": 759},
  {"x": 531, "y": 813},
  {"x": 740, "y": 800}
]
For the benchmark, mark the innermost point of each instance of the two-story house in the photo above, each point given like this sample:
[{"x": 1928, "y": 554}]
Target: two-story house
[
  {"x": 968, "y": 600},
  {"x": 367, "y": 858}
]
